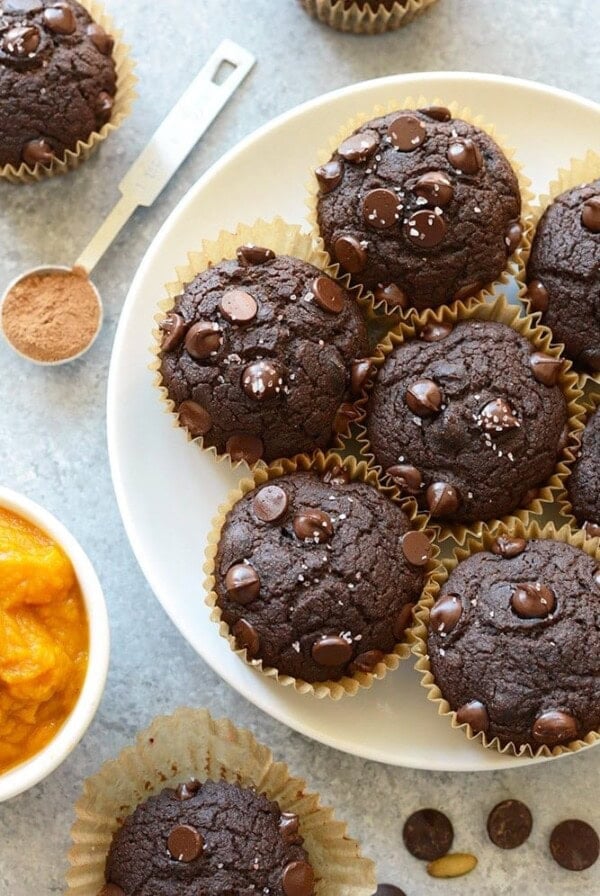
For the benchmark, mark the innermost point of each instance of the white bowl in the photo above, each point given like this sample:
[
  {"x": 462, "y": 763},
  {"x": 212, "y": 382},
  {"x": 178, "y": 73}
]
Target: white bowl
[{"x": 32, "y": 771}]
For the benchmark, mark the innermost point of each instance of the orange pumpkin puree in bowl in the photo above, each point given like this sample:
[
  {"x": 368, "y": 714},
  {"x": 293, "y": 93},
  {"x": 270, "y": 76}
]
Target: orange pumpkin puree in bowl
[{"x": 43, "y": 639}]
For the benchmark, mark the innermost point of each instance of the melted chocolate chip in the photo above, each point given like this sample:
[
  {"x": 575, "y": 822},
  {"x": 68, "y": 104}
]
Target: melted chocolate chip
[
  {"x": 465, "y": 156},
  {"x": 185, "y": 843},
  {"x": 262, "y": 380},
  {"x": 194, "y": 418},
  {"x": 270, "y": 503},
  {"x": 331, "y": 650},
  {"x": 416, "y": 547},
  {"x": 203, "y": 340},
  {"x": 442, "y": 499},
  {"x": 246, "y": 637},
  {"x": 21, "y": 41},
  {"x": 508, "y": 547},
  {"x": 313, "y": 525},
  {"x": 359, "y": 147},
  {"x": 350, "y": 253},
  {"x": 425, "y": 229},
  {"x": 328, "y": 294},
  {"x": 407, "y": 133},
  {"x": 424, "y": 398},
  {"x": 445, "y": 613},
  {"x": 533, "y": 600},
  {"x": 381, "y": 209},
  {"x": 329, "y": 176},
  {"x": 242, "y": 583},
  {"x": 436, "y": 188},
  {"x": 555, "y": 727},
  {"x": 474, "y": 714}
]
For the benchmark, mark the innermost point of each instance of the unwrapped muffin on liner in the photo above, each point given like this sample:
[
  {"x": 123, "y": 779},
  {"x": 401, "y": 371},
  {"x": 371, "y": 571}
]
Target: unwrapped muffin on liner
[
  {"x": 283, "y": 239},
  {"x": 191, "y": 744},
  {"x": 527, "y": 528},
  {"x": 362, "y": 18},
  {"x": 500, "y": 311},
  {"x": 590, "y": 404},
  {"x": 320, "y": 464},
  {"x": 123, "y": 102},
  {"x": 515, "y": 265},
  {"x": 579, "y": 172}
]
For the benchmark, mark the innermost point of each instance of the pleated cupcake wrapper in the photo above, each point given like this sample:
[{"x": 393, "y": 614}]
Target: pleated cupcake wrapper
[
  {"x": 515, "y": 266},
  {"x": 590, "y": 403},
  {"x": 124, "y": 97},
  {"x": 500, "y": 311},
  {"x": 579, "y": 172},
  {"x": 191, "y": 744},
  {"x": 365, "y": 21},
  {"x": 283, "y": 239},
  {"x": 521, "y": 528},
  {"x": 319, "y": 463}
]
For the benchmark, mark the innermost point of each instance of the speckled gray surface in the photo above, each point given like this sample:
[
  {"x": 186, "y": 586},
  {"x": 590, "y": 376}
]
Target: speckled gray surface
[{"x": 52, "y": 437}]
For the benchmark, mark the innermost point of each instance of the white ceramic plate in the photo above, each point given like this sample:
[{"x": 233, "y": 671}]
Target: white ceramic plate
[{"x": 168, "y": 490}]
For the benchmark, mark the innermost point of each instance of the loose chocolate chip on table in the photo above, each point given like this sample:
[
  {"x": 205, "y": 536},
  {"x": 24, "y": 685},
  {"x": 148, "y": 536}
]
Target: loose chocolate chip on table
[
  {"x": 254, "y": 254},
  {"x": 313, "y": 525},
  {"x": 435, "y": 332},
  {"x": 359, "y": 147},
  {"x": 187, "y": 790},
  {"x": 237, "y": 306},
  {"x": 538, "y": 296},
  {"x": 366, "y": 662},
  {"x": 509, "y": 824},
  {"x": 111, "y": 890},
  {"x": 406, "y": 477},
  {"x": 546, "y": 369},
  {"x": 21, "y": 41},
  {"x": 388, "y": 890},
  {"x": 474, "y": 714},
  {"x": 407, "y": 133},
  {"x": 37, "y": 152},
  {"x": 246, "y": 637},
  {"x": 442, "y": 498},
  {"x": 261, "y": 380},
  {"x": 359, "y": 373},
  {"x": 242, "y": 583},
  {"x": 590, "y": 214},
  {"x": 416, "y": 547},
  {"x": 289, "y": 828},
  {"x": 574, "y": 844},
  {"x": 203, "y": 340},
  {"x": 328, "y": 294},
  {"x": 194, "y": 418},
  {"x": 242, "y": 446},
  {"x": 428, "y": 834},
  {"x": 508, "y": 547},
  {"x": 425, "y": 229},
  {"x": 403, "y": 620},
  {"x": 513, "y": 236},
  {"x": 436, "y": 188},
  {"x": 329, "y": 175},
  {"x": 60, "y": 19},
  {"x": 465, "y": 156},
  {"x": 555, "y": 727},
  {"x": 103, "y": 41},
  {"x": 445, "y": 613},
  {"x": 350, "y": 253},
  {"x": 298, "y": 879},
  {"x": 173, "y": 330},
  {"x": 437, "y": 113},
  {"x": 496, "y": 416},
  {"x": 331, "y": 650},
  {"x": 381, "y": 209},
  {"x": 424, "y": 398},
  {"x": 185, "y": 843},
  {"x": 270, "y": 503},
  {"x": 391, "y": 294},
  {"x": 532, "y": 600}
]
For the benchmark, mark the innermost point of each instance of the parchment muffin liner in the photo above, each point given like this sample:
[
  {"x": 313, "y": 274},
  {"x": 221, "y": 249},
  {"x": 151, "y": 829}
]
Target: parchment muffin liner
[
  {"x": 319, "y": 463},
  {"x": 124, "y": 98},
  {"x": 579, "y": 172},
  {"x": 365, "y": 21},
  {"x": 283, "y": 239},
  {"x": 527, "y": 528},
  {"x": 500, "y": 311},
  {"x": 590, "y": 403},
  {"x": 515, "y": 265},
  {"x": 191, "y": 744}
]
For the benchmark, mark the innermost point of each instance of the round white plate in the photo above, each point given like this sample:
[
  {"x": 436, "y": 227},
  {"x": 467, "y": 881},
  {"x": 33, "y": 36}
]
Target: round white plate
[{"x": 168, "y": 490}]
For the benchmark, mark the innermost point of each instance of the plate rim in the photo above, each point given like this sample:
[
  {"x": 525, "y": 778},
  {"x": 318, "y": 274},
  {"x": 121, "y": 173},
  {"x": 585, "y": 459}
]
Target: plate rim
[{"x": 187, "y": 199}]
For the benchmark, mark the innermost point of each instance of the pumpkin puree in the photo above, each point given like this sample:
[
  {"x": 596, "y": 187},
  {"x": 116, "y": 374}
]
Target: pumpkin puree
[{"x": 43, "y": 639}]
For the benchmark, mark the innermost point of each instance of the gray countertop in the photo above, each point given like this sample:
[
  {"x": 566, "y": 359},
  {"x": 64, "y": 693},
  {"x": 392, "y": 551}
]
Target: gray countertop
[{"x": 52, "y": 425}]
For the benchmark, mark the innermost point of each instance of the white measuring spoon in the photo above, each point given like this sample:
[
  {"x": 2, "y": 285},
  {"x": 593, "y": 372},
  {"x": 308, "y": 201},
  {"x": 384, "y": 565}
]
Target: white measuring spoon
[{"x": 168, "y": 148}]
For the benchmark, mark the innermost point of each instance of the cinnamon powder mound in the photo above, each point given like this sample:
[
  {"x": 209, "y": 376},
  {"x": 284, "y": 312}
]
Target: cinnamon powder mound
[{"x": 51, "y": 316}]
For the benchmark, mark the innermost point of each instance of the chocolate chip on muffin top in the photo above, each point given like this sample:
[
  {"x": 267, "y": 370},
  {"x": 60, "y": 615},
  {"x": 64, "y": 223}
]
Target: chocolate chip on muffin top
[{"x": 584, "y": 482}]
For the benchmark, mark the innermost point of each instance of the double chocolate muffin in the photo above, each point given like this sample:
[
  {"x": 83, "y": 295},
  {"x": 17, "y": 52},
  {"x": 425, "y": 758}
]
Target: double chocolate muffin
[
  {"x": 257, "y": 356},
  {"x": 514, "y": 642},
  {"x": 214, "y": 838},
  {"x": 419, "y": 207},
  {"x": 318, "y": 577},
  {"x": 468, "y": 419},
  {"x": 564, "y": 272},
  {"x": 584, "y": 482},
  {"x": 57, "y": 79}
]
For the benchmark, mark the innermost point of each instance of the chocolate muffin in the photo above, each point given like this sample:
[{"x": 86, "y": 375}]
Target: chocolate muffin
[
  {"x": 419, "y": 207},
  {"x": 214, "y": 838},
  {"x": 257, "y": 356},
  {"x": 318, "y": 577},
  {"x": 584, "y": 482},
  {"x": 468, "y": 419},
  {"x": 506, "y": 637},
  {"x": 57, "y": 79},
  {"x": 564, "y": 272}
]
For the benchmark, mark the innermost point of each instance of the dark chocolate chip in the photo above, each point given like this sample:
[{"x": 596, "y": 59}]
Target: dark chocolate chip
[
  {"x": 194, "y": 418},
  {"x": 60, "y": 19},
  {"x": 590, "y": 214},
  {"x": 407, "y": 133},
  {"x": 406, "y": 477},
  {"x": 416, "y": 547},
  {"x": 366, "y": 662},
  {"x": 402, "y": 621},
  {"x": 246, "y": 637},
  {"x": 173, "y": 331},
  {"x": 424, "y": 398},
  {"x": 555, "y": 727},
  {"x": 391, "y": 294},
  {"x": 21, "y": 41},
  {"x": 37, "y": 152},
  {"x": 336, "y": 475},
  {"x": 238, "y": 306},
  {"x": 435, "y": 332},
  {"x": 185, "y": 843},
  {"x": 103, "y": 41},
  {"x": 359, "y": 147},
  {"x": 428, "y": 834},
  {"x": 242, "y": 583},
  {"x": 546, "y": 369},
  {"x": 574, "y": 845},
  {"x": 513, "y": 236},
  {"x": 203, "y": 340},
  {"x": 331, "y": 650},
  {"x": 442, "y": 499},
  {"x": 591, "y": 358},
  {"x": 437, "y": 113},
  {"x": 350, "y": 253},
  {"x": 538, "y": 296},
  {"x": 509, "y": 824},
  {"x": 313, "y": 525},
  {"x": 250, "y": 254},
  {"x": 497, "y": 416},
  {"x": 345, "y": 415},
  {"x": 445, "y": 613},
  {"x": 329, "y": 175},
  {"x": 381, "y": 209},
  {"x": 289, "y": 828},
  {"x": 104, "y": 105},
  {"x": 262, "y": 380},
  {"x": 425, "y": 229},
  {"x": 532, "y": 600},
  {"x": 328, "y": 294},
  {"x": 298, "y": 879},
  {"x": 270, "y": 503},
  {"x": 465, "y": 156},
  {"x": 187, "y": 790},
  {"x": 592, "y": 530},
  {"x": 360, "y": 372},
  {"x": 466, "y": 291},
  {"x": 474, "y": 714},
  {"x": 436, "y": 188},
  {"x": 508, "y": 547},
  {"x": 243, "y": 446}
]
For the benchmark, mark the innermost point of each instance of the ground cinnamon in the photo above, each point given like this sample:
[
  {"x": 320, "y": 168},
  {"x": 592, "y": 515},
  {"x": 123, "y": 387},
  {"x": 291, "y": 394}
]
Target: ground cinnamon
[{"x": 51, "y": 316}]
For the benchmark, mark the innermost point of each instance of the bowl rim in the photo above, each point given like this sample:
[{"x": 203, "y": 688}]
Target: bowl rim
[{"x": 33, "y": 770}]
